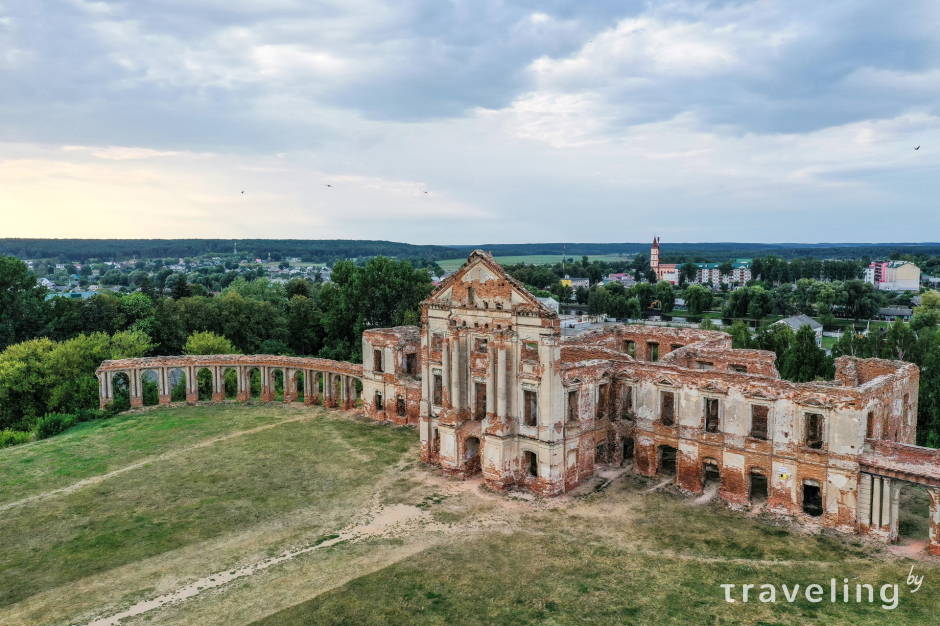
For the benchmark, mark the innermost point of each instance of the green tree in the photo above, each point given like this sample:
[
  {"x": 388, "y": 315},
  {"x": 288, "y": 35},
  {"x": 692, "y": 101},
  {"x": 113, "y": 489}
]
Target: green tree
[
  {"x": 147, "y": 288},
  {"x": 725, "y": 269},
  {"x": 698, "y": 299},
  {"x": 22, "y": 302},
  {"x": 597, "y": 302},
  {"x": 805, "y": 361},
  {"x": 644, "y": 292},
  {"x": 759, "y": 305},
  {"x": 666, "y": 296},
  {"x": 208, "y": 343},
  {"x": 740, "y": 335},
  {"x": 181, "y": 287},
  {"x": 304, "y": 330}
]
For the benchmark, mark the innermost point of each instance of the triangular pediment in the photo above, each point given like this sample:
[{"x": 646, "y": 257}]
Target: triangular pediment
[
  {"x": 482, "y": 283},
  {"x": 665, "y": 380},
  {"x": 713, "y": 388},
  {"x": 814, "y": 402},
  {"x": 759, "y": 395}
]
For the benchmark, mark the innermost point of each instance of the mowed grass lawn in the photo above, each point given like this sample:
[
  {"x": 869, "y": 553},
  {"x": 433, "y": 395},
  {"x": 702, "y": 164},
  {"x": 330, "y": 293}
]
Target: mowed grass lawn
[
  {"x": 625, "y": 557},
  {"x": 325, "y": 462}
]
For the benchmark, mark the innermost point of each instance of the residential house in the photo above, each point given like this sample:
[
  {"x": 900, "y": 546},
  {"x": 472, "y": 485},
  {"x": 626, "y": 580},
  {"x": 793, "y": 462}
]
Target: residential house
[{"x": 798, "y": 321}]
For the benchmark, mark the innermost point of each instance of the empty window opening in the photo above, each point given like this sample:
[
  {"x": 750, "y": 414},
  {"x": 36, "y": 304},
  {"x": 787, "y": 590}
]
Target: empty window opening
[
  {"x": 667, "y": 413},
  {"x": 626, "y": 402},
  {"x": 436, "y": 445},
  {"x": 438, "y": 390},
  {"x": 667, "y": 460},
  {"x": 758, "y": 487},
  {"x": 653, "y": 351},
  {"x": 480, "y": 345},
  {"x": 600, "y": 454},
  {"x": 530, "y": 402},
  {"x": 486, "y": 305},
  {"x": 377, "y": 360},
  {"x": 913, "y": 511},
  {"x": 471, "y": 296},
  {"x": 870, "y": 427},
  {"x": 704, "y": 365},
  {"x": 530, "y": 351},
  {"x": 411, "y": 364},
  {"x": 436, "y": 343},
  {"x": 572, "y": 406},
  {"x": 378, "y": 402},
  {"x": 600, "y": 409},
  {"x": 630, "y": 348},
  {"x": 740, "y": 369},
  {"x": 674, "y": 347},
  {"x": 627, "y": 450},
  {"x": 710, "y": 473},
  {"x": 759, "y": 421},
  {"x": 531, "y": 463},
  {"x": 814, "y": 431},
  {"x": 499, "y": 307},
  {"x": 479, "y": 400},
  {"x": 812, "y": 498},
  {"x": 401, "y": 406},
  {"x": 711, "y": 415},
  {"x": 472, "y": 463}
]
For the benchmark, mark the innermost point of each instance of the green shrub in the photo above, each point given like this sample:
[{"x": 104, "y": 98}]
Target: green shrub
[
  {"x": 52, "y": 424},
  {"x": 150, "y": 392},
  {"x": 87, "y": 415},
  {"x": 14, "y": 437},
  {"x": 122, "y": 400}
]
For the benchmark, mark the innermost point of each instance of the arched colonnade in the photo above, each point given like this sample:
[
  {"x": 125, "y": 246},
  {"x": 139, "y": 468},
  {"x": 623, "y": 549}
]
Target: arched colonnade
[{"x": 338, "y": 378}]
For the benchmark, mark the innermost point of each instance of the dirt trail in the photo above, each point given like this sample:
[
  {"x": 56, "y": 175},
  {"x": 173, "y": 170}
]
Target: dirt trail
[{"x": 94, "y": 480}]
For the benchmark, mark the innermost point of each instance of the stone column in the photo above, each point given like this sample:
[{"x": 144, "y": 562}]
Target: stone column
[
  {"x": 103, "y": 390},
  {"x": 329, "y": 390},
  {"x": 934, "y": 543},
  {"x": 876, "y": 503},
  {"x": 864, "y": 502},
  {"x": 266, "y": 387},
  {"x": 137, "y": 398},
  {"x": 445, "y": 372},
  {"x": 491, "y": 380},
  {"x": 895, "y": 509},
  {"x": 218, "y": 383},
  {"x": 886, "y": 503},
  {"x": 192, "y": 384},
  {"x": 456, "y": 399},
  {"x": 501, "y": 381},
  {"x": 290, "y": 385}
]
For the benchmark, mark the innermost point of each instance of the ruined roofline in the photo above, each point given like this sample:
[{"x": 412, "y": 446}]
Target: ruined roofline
[
  {"x": 232, "y": 360},
  {"x": 394, "y": 336},
  {"x": 534, "y": 306},
  {"x": 689, "y": 335}
]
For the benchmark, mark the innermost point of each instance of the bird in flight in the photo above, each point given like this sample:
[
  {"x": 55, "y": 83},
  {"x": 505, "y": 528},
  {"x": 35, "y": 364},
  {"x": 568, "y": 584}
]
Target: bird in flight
[
  {"x": 328, "y": 185},
  {"x": 243, "y": 192},
  {"x": 425, "y": 192},
  {"x": 917, "y": 148}
]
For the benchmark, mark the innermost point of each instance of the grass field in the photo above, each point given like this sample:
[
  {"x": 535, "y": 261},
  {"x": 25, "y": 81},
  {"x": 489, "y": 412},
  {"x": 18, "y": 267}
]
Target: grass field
[
  {"x": 539, "y": 259},
  {"x": 115, "y": 513}
]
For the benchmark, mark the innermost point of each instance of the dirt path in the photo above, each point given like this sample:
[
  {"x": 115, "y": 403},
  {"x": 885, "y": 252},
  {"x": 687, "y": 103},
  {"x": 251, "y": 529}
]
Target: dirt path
[{"x": 94, "y": 480}]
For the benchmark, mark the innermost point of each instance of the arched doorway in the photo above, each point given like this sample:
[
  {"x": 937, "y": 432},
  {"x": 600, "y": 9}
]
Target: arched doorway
[
  {"x": 150, "y": 387},
  {"x": 471, "y": 454}
]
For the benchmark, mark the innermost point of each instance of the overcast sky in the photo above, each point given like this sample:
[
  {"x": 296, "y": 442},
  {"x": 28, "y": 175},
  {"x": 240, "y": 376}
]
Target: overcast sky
[{"x": 471, "y": 121}]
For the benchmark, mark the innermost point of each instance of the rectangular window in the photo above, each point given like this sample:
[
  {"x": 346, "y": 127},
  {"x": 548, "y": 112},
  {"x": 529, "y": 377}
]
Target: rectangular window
[
  {"x": 480, "y": 345},
  {"x": 626, "y": 402},
  {"x": 572, "y": 406},
  {"x": 378, "y": 402},
  {"x": 667, "y": 411},
  {"x": 530, "y": 351},
  {"x": 674, "y": 346},
  {"x": 438, "y": 399},
  {"x": 870, "y": 428},
  {"x": 600, "y": 409},
  {"x": 740, "y": 369},
  {"x": 530, "y": 404},
  {"x": 711, "y": 415},
  {"x": 437, "y": 343},
  {"x": 704, "y": 365},
  {"x": 759, "y": 421},
  {"x": 411, "y": 364},
  {"x": 377, "y": 360},
  {"x": 630, "y": 348},
  {"x": 814, "y": 431},
  {"x": 401, "y": 406},
  {"x": 479, "y": 400},
  {"x": 653, "y": 351}
]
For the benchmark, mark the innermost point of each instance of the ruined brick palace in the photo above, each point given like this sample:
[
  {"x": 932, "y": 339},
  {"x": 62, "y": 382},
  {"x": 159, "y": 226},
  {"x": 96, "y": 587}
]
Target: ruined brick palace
[{"x": 495, "y": 389}]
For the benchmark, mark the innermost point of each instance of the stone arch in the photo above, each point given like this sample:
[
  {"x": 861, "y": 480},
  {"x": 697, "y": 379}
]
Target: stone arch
[
  {"x": 254, "y": 382},
  {"x": 298, "y": 378},
  {"x": 275, "y": 383},
  {"x": 471, "y": 451},
  {"x": 120, "y": 382},
  {"x": 150, "y": 387},
  {"x": 176, "y": 379},
  {"x": 229, "y": 382},
  {"x": 205, "y": 383}
]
